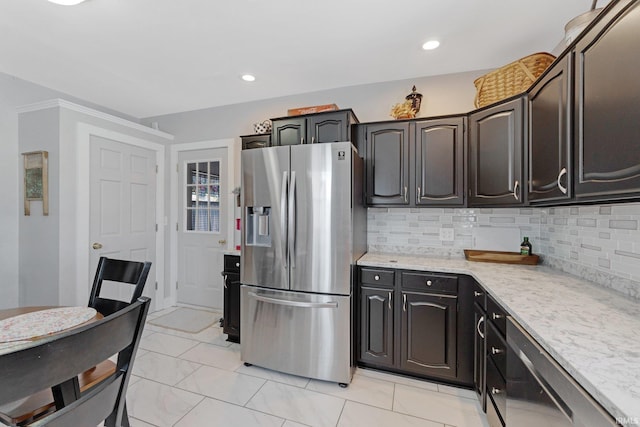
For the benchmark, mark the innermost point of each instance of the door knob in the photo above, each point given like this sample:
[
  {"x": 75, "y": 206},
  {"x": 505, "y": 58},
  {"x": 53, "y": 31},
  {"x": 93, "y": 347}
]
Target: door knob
[
  {"x": 222, "y": 242},
  {"x": 97, "y": 245}
]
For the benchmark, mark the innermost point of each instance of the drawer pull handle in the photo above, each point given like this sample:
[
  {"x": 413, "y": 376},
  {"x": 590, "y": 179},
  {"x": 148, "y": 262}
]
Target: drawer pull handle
[
  {"x": 495, "y": 350},
  {"x": 496, "y": 316},
  {"x": 429, "y": 283},
  {"x": 376, "y": 277},
  {"x": 495, "y": 390},
  {"x": 477, "y": 294}
]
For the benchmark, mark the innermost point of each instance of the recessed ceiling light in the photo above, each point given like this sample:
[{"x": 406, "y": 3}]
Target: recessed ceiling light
[
  {"x": 67, "y": 2},
  {"x": 431, "y": 44},
  {"x": 248, "y": 77}
]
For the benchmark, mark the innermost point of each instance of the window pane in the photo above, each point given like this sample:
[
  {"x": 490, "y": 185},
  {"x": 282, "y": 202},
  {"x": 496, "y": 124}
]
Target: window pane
[
  {"x": 191, "y": 196},
  {"x": 191, "y": 173},
  {"x": 215, "y": 220}
]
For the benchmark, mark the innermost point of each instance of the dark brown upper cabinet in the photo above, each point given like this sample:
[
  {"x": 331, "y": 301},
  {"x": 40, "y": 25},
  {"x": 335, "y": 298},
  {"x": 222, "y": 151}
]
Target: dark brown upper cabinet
[
  {"x": 414, "y": 163},
  {"x": 607, "y": 107},
  {"x": 259, "y": 140},
  {"x": 550, "y": 167},
  {"x": 438, "y": 174},
  {"x": 387, "y": 163},
  {"x": 496, "y": 142},
  {"x": 333, "y": 126}
]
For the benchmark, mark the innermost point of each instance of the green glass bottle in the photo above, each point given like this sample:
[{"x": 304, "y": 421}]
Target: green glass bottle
[{"x": 525, "y": 247}]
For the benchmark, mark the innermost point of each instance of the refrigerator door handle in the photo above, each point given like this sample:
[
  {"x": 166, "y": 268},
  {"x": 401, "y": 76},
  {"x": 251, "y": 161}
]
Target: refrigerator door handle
[
  {"x": 283, "y": 218},
  {"x": 292, "y": 219},
  {"x": 330, "y": 304}
]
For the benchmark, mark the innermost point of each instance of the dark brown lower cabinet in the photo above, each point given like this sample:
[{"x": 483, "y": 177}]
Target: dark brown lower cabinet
[
  {"x": 416, "y": 323},
  {"x": 376, "y": 336},
  {"x": 231, "y": 310},
  {"x": 429, "y": 332}
]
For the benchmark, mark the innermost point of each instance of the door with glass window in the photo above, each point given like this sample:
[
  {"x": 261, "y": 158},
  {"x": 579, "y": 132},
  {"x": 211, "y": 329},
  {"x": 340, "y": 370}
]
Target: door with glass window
[{"x": 202, "y": 226}]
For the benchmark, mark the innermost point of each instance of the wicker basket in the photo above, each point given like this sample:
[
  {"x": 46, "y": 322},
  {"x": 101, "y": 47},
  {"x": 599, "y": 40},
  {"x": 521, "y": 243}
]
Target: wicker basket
[{"x": 511, "y": 79}]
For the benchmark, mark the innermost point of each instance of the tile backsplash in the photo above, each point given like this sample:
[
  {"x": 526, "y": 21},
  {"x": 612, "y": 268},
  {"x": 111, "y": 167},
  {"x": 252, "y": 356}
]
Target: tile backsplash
[{"x": 600, "y": 243}]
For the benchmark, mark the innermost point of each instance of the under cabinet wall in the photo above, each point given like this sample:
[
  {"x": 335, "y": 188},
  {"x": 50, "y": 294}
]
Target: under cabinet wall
[{"x": 600, "y": 243}]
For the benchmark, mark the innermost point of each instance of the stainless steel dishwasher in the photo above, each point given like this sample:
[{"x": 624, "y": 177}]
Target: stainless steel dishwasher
[{"x": 540, "y": 392}]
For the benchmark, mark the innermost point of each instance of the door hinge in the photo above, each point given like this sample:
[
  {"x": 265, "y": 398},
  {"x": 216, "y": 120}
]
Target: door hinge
[
  {"x": 156, "y": 168},
  {"x": 176, "y": 284},
  {"x": 177, "y": 167},
  {"x": 156, "y": 286},
  {"x": 177, "y": 227},
  {"x": 156, "y": 228}
]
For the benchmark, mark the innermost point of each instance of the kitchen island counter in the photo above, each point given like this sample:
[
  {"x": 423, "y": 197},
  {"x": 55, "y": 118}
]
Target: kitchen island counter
[{"x": 591, "y": 331}]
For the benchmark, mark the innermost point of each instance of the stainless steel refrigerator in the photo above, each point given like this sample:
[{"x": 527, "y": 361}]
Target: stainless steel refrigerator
[{"x": 304, "y": 227}]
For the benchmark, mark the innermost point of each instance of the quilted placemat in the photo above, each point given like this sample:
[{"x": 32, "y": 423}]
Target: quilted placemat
[{"x": 44, "y": 322}]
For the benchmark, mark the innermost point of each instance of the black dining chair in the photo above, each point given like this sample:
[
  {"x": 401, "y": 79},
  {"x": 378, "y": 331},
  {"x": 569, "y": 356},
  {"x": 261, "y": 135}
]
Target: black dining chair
[
  {"x": 55, "y": 363},
  {"x": 116, "y": 270}
]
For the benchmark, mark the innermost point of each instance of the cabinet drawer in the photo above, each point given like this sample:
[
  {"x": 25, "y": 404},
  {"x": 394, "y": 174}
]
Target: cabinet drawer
[
  {"x": 430, "y": 282},
  {"x": 497, "y": 315},
  {"x": 479, "y": 295},
  {"x": 497, "y": 349},
  {"x": 496, "y": 389},
  {"x": 374, "y": 276},
  {"x": 232, "y": 264}
]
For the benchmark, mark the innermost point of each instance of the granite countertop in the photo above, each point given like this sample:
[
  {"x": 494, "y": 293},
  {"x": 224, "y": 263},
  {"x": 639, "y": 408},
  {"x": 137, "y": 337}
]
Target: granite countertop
[{"x": 592, "y": 332}]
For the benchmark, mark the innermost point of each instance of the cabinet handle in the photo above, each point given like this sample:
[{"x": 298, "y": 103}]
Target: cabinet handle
[
  {"x": 390, "y": 298},
  {"x": 404, "y": 302},
  {"x": 496, "y": 316},
  {"x": 495, "y": 390},
  {"x": 515, "y": 189},
  {"x": 376, "y": 277},
  {"x": 429, "y": 283},
  {"x": 302, "y": 140},
  {"x": 237, "y": 264},
  {"x": 495, "y": 350},
  {"x": 225, "y": 281},
  {"x": 313, "y": 139},
  {"x": 478, "y": 327},
  {"x": 405, "y": 195},
  {"x": 562, "y": 172},
  {"x": 418, "y": 195},
  {"x": 477, "y": 294}
]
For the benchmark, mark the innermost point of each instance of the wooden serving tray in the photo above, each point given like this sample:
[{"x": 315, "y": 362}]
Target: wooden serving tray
[{"x": 500, "y": 257}]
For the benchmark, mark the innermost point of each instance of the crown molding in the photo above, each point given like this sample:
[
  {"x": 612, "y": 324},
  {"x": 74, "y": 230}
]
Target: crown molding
[{"x": 61, "y": 103}]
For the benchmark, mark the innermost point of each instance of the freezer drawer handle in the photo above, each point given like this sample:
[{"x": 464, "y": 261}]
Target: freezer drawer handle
[{"x": 294, "y": 303}]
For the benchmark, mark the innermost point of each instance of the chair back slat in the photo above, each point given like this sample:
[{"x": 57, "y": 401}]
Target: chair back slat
[{"x": 116, "y": 270}]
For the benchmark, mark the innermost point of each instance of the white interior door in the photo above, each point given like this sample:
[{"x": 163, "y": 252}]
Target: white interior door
[
  {"x": 202, "y": 226},
  {"x": 122, "y": 209}
]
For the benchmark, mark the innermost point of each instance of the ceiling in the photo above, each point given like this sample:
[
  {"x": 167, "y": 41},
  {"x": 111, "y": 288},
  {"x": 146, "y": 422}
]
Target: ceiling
[{"x": 152, "y": 57}]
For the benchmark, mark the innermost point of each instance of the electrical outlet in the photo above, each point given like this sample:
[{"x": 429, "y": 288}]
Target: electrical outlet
[{"x": 447, "y": 234}]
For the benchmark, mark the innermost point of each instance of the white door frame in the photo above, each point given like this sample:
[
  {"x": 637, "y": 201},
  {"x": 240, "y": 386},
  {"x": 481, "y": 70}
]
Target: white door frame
[
  {"x": 83, "y": 152},
  {"x": 176, "y": 149}
]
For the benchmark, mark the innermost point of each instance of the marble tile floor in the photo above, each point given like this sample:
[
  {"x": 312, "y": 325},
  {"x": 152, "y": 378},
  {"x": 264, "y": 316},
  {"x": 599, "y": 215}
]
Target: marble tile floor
[{"x": 194, "y": 380}]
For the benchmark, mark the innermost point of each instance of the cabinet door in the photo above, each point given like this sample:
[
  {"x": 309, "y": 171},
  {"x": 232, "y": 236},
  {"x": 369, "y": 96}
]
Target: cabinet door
[
  {"x": 256, "y": 141},
  {"x": 439, "y": 162},
  {"x": 550, "y": 168},
  {"x": 231, "y": 316},
  {"x": 387, "y": 164},
  {"x": 376, "y": 326},
  {"x": 607, "y": 102},
  {"x": 289, "y": 131},
  {"x": 428, "y": 335},
  {"x": 496, "y": 137},
  {"x": 332, "y": 127}
]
